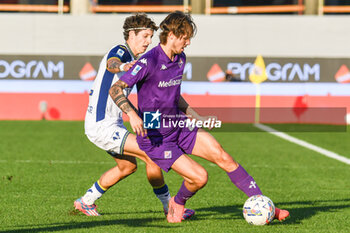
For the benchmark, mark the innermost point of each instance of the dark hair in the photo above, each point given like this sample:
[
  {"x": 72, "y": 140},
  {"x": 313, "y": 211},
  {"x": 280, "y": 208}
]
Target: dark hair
[
  {"x": 178, "y": 23},
  {"x": 139, "y": 20}
]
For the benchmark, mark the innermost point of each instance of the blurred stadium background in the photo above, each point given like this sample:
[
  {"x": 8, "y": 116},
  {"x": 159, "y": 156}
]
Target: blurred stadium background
[{"x": 50, "y": 52}]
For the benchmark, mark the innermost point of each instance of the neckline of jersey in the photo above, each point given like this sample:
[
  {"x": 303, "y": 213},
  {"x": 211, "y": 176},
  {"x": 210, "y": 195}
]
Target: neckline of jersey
[
  {"x": 165, "y": 57},
  {"x": 130, "y": 51}
]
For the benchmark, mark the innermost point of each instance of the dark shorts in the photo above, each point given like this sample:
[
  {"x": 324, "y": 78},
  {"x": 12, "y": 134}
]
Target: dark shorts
[{"x": 166, "y": 153}]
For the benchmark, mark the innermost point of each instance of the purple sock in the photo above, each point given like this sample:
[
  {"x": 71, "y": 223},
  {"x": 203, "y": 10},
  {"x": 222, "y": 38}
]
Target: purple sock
[
  {"x": 244, "y": 181},
  {"x": 183, "y": 195}
]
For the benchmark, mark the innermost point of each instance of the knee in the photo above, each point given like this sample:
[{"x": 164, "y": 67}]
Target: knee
[
  {"x": 154, "y": 175},
  {"x": 201, "y": 178},
  {"x": 153, "y": 170},
  {"x": 215, "y": 150},
  {"x": 127, "y": 170},
  {"x": 223, "y": 159}
]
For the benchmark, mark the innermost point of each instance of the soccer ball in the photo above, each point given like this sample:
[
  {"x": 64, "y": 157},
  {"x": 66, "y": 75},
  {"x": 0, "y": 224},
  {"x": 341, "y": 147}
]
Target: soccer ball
[{"x": 258, "y": 210}]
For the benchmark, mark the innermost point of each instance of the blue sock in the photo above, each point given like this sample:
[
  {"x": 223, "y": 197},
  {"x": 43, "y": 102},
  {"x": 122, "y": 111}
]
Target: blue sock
[
  {"x": 93, "y": 193},
  {"x": 163, "y": 195}
]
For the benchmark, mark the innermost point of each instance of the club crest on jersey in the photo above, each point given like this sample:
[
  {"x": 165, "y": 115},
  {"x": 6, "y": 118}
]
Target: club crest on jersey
[
  {"x": 136, "y": 70},
  {"x": 120, "y": 52},
  {"x": 163, "y": 67},
  {"x": 167, "y": 154},
  {"x": 180, "y": 63},
  {"x": 144, "y": 61}
]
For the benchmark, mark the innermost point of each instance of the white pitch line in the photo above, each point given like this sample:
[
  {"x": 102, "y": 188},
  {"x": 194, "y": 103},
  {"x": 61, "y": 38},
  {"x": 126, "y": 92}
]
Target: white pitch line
[{"x": 310, "y": 146}]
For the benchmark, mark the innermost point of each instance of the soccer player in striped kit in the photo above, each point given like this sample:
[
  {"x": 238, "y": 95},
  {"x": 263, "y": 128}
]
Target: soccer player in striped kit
[{"x": 104, "y": 124}]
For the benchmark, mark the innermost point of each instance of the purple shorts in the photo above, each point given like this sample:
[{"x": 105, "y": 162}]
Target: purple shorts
[{"x": 167, "y": 152}]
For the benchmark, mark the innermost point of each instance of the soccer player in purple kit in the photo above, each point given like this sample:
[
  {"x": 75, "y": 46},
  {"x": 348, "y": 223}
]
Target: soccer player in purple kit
[{"x": 158, "y": 75}]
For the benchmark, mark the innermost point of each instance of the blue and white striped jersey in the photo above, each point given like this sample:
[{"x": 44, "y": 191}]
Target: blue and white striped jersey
[{"x": 102, "y": 110}]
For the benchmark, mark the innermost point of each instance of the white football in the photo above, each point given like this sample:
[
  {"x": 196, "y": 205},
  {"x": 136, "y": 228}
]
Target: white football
[{"x": 259, "y": 210}]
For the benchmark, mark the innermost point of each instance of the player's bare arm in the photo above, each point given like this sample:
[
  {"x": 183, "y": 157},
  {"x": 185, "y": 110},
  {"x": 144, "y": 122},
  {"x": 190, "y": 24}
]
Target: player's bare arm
[
  {"x": 190, "y": 112},
  {"x": 186, "y": 108},
  {"x": 116, "y": 92},
  {"x": 114, "y": 65}
]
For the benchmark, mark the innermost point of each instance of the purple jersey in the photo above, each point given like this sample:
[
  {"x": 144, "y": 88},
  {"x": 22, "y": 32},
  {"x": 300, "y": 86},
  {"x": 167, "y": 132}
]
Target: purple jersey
[{"x": 158, "y": 81}]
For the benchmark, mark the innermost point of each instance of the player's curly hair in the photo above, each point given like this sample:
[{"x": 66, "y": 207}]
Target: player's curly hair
[
  {"x": 137, "y": 21},
  {"x": 179, "y": 23}
]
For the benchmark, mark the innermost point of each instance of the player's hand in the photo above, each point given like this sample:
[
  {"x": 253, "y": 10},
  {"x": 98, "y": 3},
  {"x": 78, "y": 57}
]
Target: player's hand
[
  {"x": 137, "y": 124},
  {"x": 127, "y": 66}
]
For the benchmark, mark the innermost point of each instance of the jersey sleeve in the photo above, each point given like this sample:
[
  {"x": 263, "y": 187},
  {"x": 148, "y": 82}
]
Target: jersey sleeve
[
  {"x": 120, "y": 52},
  {"x": 138, "y": 72}
]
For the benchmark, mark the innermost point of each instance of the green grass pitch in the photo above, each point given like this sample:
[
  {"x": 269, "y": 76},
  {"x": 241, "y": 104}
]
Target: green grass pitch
[{"x": 46, "y": 165}]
